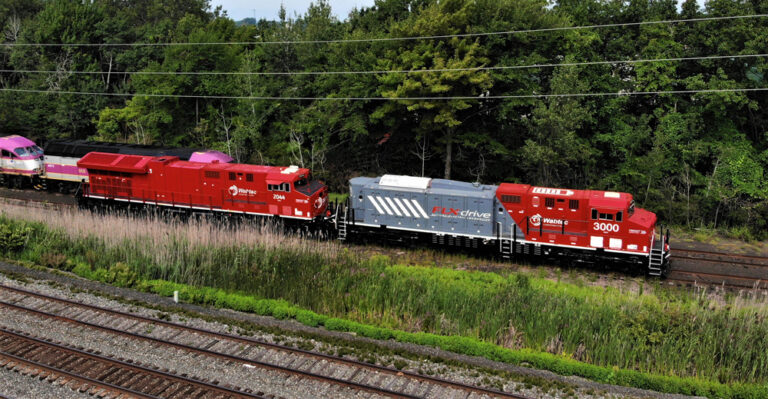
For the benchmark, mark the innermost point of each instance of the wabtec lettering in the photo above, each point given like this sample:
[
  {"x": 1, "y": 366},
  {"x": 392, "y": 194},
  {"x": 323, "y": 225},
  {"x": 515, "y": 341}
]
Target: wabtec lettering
[{"x": 461, "y": 213}]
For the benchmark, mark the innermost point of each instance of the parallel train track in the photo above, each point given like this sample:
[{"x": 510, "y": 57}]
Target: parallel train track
[
  {"x": 302, "y": 364},
  {"x": 100, "y": 375},
  {"x": 734, "y": 271},
  {"x": 689, "y": 266}
]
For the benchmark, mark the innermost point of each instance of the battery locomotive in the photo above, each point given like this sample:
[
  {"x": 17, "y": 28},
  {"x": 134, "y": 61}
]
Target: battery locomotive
[{"x": 513, "y": 219}]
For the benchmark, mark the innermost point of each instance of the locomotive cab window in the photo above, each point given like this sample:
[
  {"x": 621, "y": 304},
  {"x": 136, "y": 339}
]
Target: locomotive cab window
[
  {"x": 285, "y": 187},
  {"x": 606, "y": 216},
  {"x": 619, "y": 216},
  {"x": 594, "y": 214},
  {"x": 631, "y": 209},
  {"x": 6, "y": 154}
]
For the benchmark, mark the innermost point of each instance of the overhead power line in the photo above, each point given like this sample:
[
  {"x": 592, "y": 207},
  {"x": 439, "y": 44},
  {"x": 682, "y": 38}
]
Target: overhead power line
[
  {"x": 486, "y": 68},
  {"x": 391, "y": 39},
  {"x": 435, "y": 98}
]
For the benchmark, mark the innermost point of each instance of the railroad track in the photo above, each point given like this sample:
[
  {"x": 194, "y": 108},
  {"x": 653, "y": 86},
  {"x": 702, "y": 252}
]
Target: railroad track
[
  {"x": 100, "y": 375},
  {"x": 333, "y": 370},
  {"x": 736, "y": 271}
]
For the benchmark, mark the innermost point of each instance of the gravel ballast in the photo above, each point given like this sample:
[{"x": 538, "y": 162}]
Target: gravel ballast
[{"x": 473, "y": 372}]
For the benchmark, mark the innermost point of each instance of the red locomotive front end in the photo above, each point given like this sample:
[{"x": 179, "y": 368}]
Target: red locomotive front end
[
  {"x": 286, "y": 192},
  {"x": 584, "y": 224}
]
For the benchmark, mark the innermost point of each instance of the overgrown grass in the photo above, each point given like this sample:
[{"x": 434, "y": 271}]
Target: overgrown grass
[{"x": 656, "y": 338}]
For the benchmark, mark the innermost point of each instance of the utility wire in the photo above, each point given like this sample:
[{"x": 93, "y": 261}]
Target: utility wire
[
  {"x": 491, "y": 68},
  {"x": 391, "y": 39},
  {"x": 437, "y": 98}
]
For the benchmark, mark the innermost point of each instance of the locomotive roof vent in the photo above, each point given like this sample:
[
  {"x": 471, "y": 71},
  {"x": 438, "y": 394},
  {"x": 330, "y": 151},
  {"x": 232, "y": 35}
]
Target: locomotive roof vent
[
  {"x": 290, "y": 169},
  {"x": 421, "y": 183}
]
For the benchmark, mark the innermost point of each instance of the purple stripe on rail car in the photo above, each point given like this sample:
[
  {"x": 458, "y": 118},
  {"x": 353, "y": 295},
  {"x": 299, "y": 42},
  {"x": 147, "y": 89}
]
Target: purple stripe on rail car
[{"x": 65, "y": 169}]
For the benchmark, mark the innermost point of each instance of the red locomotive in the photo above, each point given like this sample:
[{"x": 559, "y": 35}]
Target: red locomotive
[
  {"x": 286, "y": 192},
  {"x": 567, "y": 222}
]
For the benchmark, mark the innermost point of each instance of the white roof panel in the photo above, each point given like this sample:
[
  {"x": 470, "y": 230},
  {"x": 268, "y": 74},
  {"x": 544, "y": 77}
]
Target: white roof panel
[{"x": 421, "y": 183}]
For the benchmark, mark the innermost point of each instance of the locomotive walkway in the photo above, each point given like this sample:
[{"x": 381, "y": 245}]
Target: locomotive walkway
[{"x": 94, "y": 371}]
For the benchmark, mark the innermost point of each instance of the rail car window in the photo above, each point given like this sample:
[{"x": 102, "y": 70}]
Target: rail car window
[
  {"x": 209, "y": 174},
  {"x": 232, "y": 176},
  {"x": 619, "y": 216},
  {"x": 249, "y": 177},
  {"x": 606, "y": 216},
  {"x": 512, "y": 199},
  {"x": 594, "y": 214},
  {"x": 573, "y": 204},
  {"x": 549, "y": 202}
]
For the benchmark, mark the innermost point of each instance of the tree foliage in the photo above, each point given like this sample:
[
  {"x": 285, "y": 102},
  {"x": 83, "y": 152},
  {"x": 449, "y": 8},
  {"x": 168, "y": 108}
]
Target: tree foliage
[{"x": 696, "y": 159}]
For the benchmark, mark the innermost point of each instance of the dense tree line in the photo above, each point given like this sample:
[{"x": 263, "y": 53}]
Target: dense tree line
[{"x": 696, "y": 159}]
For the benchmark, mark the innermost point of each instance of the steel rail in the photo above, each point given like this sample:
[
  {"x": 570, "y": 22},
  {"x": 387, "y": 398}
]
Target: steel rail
[
  {"x": 41, "y": 343},
  {"x": 250, "y": 341},
  {"x": 54, "y": 370},
  {"x": 707, "y": 256},
  {"x": 756, "y": 282},
  {"x": 210, "y": 353}
]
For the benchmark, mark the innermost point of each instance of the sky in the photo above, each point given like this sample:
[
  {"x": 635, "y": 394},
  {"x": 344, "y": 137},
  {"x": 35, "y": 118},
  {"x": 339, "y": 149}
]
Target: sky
[{"x": 239, "y": 9}]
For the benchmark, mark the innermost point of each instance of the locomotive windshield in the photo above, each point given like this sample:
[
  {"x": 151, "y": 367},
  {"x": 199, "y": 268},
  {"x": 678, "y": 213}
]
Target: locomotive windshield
[
  {"x": 631, "y": 209},
  {"x": 25, "y": 151},
  {"x": 308, "y": 186}
]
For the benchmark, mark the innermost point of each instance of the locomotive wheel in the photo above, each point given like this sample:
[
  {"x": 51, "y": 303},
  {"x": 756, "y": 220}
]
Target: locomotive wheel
[{"x": 62, "y": 188}]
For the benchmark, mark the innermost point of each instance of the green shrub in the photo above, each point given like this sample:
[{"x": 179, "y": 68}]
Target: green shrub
[
  {"x": 121, "y": 275},
  {"x": 13, "y": 236},
  {"x": 55, "y": 261}
]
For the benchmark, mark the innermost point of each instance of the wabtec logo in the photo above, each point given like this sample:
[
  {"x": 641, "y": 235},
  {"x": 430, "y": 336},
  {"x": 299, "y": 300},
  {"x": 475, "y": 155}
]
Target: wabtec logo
[{"x": 452, "y": 212}]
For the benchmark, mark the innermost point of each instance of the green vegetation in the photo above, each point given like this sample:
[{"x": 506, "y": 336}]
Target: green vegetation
[
  {"x": 697, "y": 160},
  {"x": 655, "y": 338}
]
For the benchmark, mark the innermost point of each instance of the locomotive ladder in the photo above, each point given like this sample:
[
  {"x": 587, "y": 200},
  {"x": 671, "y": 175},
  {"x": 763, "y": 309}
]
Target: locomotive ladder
[
  {"x": 506, "y": 245},
  {"x": 506, "y": 248},
  {"x": 656, "y": 258},
  {"x": 341, "y": 220}
]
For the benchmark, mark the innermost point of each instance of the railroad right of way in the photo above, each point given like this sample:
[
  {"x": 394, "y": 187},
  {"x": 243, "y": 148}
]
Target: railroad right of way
[{"x": 292, "y": 327}]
